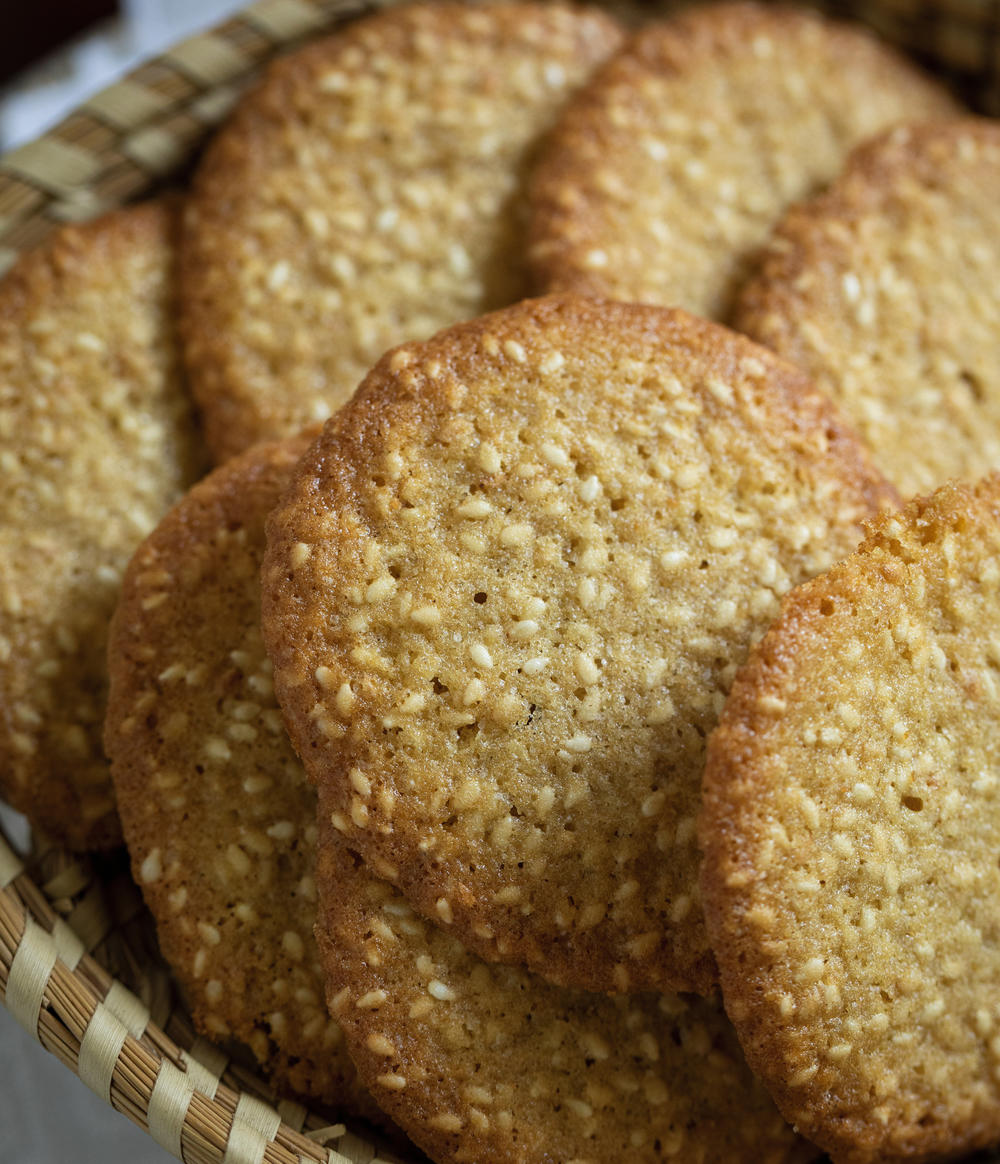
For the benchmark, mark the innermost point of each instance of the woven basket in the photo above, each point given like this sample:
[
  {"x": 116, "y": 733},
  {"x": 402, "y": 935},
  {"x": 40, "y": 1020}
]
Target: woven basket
[{"x": 79, "y": 967}]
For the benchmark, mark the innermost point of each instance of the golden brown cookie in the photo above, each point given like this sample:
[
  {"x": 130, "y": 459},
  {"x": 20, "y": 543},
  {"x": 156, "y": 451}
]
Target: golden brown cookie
[
  {"x": 368, "y": 192},
  {"x": 505, "y": 597},
  {"x": 851, "y": 829},
  {"x": 97, "y": 439},
  {"x": 491, "y": 1064},
  {"x": 217, "y": 812},
  {"x": 668, "y": 171},
  {"x": 885, "y": 290}
]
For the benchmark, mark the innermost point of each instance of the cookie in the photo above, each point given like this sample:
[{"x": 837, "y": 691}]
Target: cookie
[
  {"x": 219, "y": 817},
  {"x": 492, "y": 1064},
  {"x": 884, "y": 289},
  {"x": 97, "y": 439},
  {"x": 505, "y": 596},
  {"x": 668, "y": 171},
  {"x": 851, "y": 833},
  {"x": 368, "y": 192}
]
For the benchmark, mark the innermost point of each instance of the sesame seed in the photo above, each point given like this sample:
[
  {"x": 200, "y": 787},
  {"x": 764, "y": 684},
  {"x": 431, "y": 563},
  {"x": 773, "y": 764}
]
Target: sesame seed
[
  {"x": 589, "y": 489},
  {"x": 555, "y": 456},
  {"x": 151, "y": 868},
  {"x": 293, "y": 945},
  {"x": 446, "y": 1122},
  {"x": 425, "y": 615},
  {"x": 344, "y": 700},
  {"x": 475, "y": 509},
  {"x": 216, "y": 748},
  {"x": 437, "y": 989},
  {"x": 359, "y": 813},
  {"x": 442, "y": 908},
  {"x": 517, "y": 534},
  {"x": 480, "y": 655},
  {"x": 391, "y": 1081},
  {"x": 586, "y": 669},
  {"x": 380, "y": 588}
]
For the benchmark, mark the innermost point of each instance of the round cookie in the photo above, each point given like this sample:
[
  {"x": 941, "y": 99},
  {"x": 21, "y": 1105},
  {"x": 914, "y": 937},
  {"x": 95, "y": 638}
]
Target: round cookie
[
  {"x": 97, "y": 439},
  {"x": 368, "y": 192},
  {"x": 669, "y": 169},
  {"x": 505, "y": 597},
  {"x": 851, "y": 830},
  {"x": 885, "y": 290},
  {"x": 494, "y": 1065},
  {"x": 219, "y": 817}
]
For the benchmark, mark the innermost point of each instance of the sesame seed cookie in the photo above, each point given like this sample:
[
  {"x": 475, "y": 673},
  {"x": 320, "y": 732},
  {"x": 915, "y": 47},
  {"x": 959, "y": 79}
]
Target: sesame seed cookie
[
  {"x": 669, "y": 169},
  {"x": 505, "y": 597},
  {"x": 851, "y": 830},
  {"x": 492, "y": 1064},
  {"x": 368, "y": 192},
  {"x": 219, "y": 817},
  {"x": 884, "y": 289},
  {"x": 97, "y": 439}
]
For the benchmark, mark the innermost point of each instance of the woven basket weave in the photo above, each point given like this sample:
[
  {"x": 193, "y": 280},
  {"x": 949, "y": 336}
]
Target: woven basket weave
[{"x": 79, "y": 968}]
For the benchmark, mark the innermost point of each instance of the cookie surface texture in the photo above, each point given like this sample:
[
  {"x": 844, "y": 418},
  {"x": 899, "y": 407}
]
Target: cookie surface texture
[
  {"x": 97, "y": 439},
  {"x": 368, "y": 192},
  {"x": 216, "y": 809},
  {"x": 851, "y": 832},
  {"x": 492, "y": 1064},
  {"x": 884, "y": 290},
  {"x": 668, "y": 171},
  {"x": 505, "y": 597}
]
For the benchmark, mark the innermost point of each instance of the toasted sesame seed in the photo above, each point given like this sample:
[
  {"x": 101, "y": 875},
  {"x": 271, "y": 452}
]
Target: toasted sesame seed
[
  {"x": 489, "y": 458},
  {"x": 555, "y": 456},
  {"x": 446, "y": 1122},
  {"x": 151, "y": 868},
  {"x": 426, "y": 615},
  {"x": 442, "y": 907},
  {"x": 475, "y": 509},
  {"x": 437, "y": 989},
  {"x": 344, "y": 700}
]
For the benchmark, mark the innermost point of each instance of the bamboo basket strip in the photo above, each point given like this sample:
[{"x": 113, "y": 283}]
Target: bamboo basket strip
[{"x": 186, "y": 1097}]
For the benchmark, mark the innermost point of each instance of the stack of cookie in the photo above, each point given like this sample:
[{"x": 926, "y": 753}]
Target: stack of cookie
[{"x": 562, "y": 610}]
